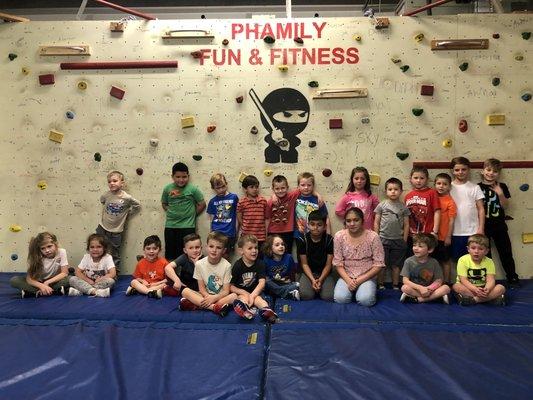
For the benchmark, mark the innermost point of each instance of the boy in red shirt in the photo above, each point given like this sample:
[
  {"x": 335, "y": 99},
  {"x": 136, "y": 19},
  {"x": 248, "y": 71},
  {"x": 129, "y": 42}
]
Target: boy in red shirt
[{"x": 251, "y": 210}]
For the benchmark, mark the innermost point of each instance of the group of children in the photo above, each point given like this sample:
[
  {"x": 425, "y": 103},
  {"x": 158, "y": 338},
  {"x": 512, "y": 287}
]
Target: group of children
[{"x": 454, "y": 220}]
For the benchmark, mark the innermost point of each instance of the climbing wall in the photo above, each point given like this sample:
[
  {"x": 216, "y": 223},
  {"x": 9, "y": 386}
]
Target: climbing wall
[{"x": 356, "y": 100}]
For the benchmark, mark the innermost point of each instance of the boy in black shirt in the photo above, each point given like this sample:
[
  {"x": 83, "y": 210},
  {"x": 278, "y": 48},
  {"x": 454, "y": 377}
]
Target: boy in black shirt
[{"x": 180, "y": 272}]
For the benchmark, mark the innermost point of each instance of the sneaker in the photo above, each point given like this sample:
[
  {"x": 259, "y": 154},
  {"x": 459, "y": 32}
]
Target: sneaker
[
  {"x": 155, "y": 294},
  {"x": 446, "y": 299},
  {"x": 294, "y": 295},
  {"x": 381, "y": 287},
  {"x": 60, "y": 292},
  {"x": 396, "y": 287},
  {"x": 221, "y": 310},
  {"x": 187, "y": 305},
  {"x": 130, "y": 291},
  {"x": 464, "y": 300},
  {"x": 405, "y": 298},
  {"x": 242, "y": 309},
  {"x": 102, "y": 292},
  {"x": 268, "y": 315},
  {"x": 499, "y": 301},
  {"x": 74, "y": 292}
]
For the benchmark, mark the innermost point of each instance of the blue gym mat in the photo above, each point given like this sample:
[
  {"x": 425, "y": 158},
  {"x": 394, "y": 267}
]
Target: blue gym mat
[
  {"x": 389, "y": 361},
  {"x": 129, "y": 360}
]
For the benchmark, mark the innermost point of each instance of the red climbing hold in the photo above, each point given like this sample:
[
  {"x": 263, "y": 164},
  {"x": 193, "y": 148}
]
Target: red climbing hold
[
  {"x": 326, "y": 172},
  {"x": 47, "y": 79},
  {"x": 117, "y": 93},
  {"x": 463, "y": 126}
]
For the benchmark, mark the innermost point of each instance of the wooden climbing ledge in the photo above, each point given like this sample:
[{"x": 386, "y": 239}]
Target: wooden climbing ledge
[
  {"x": 67, "y": 50},
  {"x": 460, "y": 44},
  {"x": 347, "y": 93},
  {"x": 12, "y": 18},
  {"x": 188, "y": 34}
]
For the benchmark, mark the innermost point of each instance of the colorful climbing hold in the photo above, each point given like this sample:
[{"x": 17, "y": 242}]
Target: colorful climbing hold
[
  {"x": 298, "y": 40},
  {"x": 404, "y": 68},
  {"x": 312, "y": 143},
  {"x": 239, "y": 99},
  {"x": 70, "y": 114},
  {"x": 268, "y": 172},
  {"x": 269, "y": 39},
  {"x": 254, "y": 130},
  {"x": 15, "y": 228},
  {"x": 495, "y": 81},
  {"x": 283, "y": 68},
  {"x": 211, "y": 128},
  {"x": 327, "y": 172},
  {"x": 495, "y": 119},
  {"x": 526, "y": 96},
  {"x": 46, "y": 79},
  {"x": 97, "y": 157},
  {"x": 526, "y": 35},
  {"x": 139, "y": 171},
  {"x": 25, "y": 70},
  {"x": 464, "y": 66},
  {"x": 524, "y": 187},
  {"x": 417, "y": 112},
  {"x": 225, "y": 42},
  {"x": 117, "y": 92},
  {"x": 519, "y": 57},
  {"x": 402, "y": 156},
  {"x": 357, "y": 38},
  {"x": 463, "y": 126},
  {"x": 365, "y": 120},
  {"x": 335, "y": 123},
  {"x": 495, "y": 35},
  {"x": 82, "y": 85},
  {"x": 427, "y": 90},
  {"x": 14, "y": 257},
  {"x": 55, "y": 136},
  {"x": 12, "y": 56},
  {"x": 154, "y": 142},
  {"x": 42, "y": 185},
  {"x": 447, "y": 143},
  {"x": 382, "y": 22},
  {"x": 395, "y": 60},
  {"x": 418, "y": 38},
  {"x": 187, "y": 122},
  {"x": 196, "y": 54},
  {"x": 313, "y": 84},
  {"x": 197, "y": 157}
]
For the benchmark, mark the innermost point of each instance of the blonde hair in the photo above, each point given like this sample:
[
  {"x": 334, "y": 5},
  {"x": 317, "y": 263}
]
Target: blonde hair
[
  {"x": 217, "y": 179},
  {"x": 246, "y": 239},
  {"x": 493, "y": 163},
  {"x": 35, "y": 257},
  {"x": 479, "y": 239},
  {"x": 306, "y": 175},
  {"x": 114, "y": 172},
  {"x": 218, "y": 237}
]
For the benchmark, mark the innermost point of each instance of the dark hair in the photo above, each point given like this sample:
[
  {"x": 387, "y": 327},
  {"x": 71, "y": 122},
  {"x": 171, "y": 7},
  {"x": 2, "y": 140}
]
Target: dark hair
[
  {"x": 317, "y": 215},
  {"x": 419, "y": 168},
  {"x": 100, "y": 239},
  {"x": 394, "y": 181},
  {"x": 493, "y": 163},
  {"x": 460, "y": 160},
  {"x": 219, "y": 237},
  {"x": 279, "y": 179},
  {"x": 180, "y": 167},
  {"x": 267, "y": 246},
  {"x": 444, "y": 175},
  {"x": 357, "y": 211},
  {"x": 246, "y": 239},
  {"x": 190, "y": 237},
  {"x": 250, "y": 180},
  {"x": 153, "y": 239},
  {"x": 351, "y": 186},
  {"x": 429, "y": 240}
]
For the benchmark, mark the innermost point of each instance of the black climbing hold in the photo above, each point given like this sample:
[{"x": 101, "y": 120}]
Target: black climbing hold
[
  {"x": 463, "y": 66},
  {"x": 225, "y": 42},
  {"x": 139, "y": 171},
  {"x": 254, "y": 130},
  {"x": 299, "y": 40},
  {"x": 417, "y": 112},
  {"x": 402, "y": 156},
  {"x": 14, "y": 257},
  {"x": 326, "y": 172},
  {"x": 12, "y": 56},
  {"x": 312, "y": 143},
  {"x": 404, "y": 68},
  {"x": 97, "y": 157},
  {"x": 526, "y": 35},
  {"x": 197, "y": 157},
  {"x": 495, "y": 81},
  {"x": 495, "y": 35},
  {"x": 313, "y": 84},
  {"x": 269, "y": 39},
  {"x": 524, "y": 187}
]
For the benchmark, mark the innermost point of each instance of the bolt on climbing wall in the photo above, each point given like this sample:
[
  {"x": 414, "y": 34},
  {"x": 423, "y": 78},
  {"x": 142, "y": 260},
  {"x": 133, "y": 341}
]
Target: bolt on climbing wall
[{"x": 250, "y": 97}]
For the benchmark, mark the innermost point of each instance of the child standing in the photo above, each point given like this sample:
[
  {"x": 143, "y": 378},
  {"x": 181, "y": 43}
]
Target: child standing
[
  {"x": 315, "y": 251},
  {"x": 279, "y": 269},
  {"x": 358, "y": 194},
  {"x": 468, "y": 198},
  {"x": 476, "y": 273},
  {"x": 180, "y": 272},
  {"x": 116, "y": 207},
  {"x": 251, "y": 210},
  {"x": 222, "y": 210},
  {"x": 182, "y": 202},
  {"x": 448, "y": 212},
  {"x": 149, "y": 275},
  {"x": 422, "y": 275},
  {"x": 307, "y": 202},
  {"x": 95, "y": 276},
  {"x": 248, "y": 281},
  {"x": 47, "y": 268},
  {"x": 496, "y": 200},
  {"x": 392, "y": 225},
  {"x": 280, "y": 210},
  {"x": 213, "y": 274}
]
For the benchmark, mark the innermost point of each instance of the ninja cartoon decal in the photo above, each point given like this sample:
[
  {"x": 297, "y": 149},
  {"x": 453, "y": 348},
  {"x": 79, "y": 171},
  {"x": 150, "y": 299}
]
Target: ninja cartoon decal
[{"x": 284, "y": 114}]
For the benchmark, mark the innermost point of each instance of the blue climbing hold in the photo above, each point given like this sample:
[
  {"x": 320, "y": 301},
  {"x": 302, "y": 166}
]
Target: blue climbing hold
[
  {"x": 14, "y": 257},
  {"x": 70, "y": 114},
  {"x": 524, "y": 187},
  {"x": 526, "y": 96}
]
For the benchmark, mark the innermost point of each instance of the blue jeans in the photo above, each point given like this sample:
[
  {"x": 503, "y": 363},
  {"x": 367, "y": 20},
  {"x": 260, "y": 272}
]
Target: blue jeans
[
  {"x": 365, "y": 295},
  {"x": 281, "y": 289}
]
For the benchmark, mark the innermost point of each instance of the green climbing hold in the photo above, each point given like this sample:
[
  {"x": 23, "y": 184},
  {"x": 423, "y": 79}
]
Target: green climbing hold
[
  {"x": 404, "y": 68},
  {"x": 495, "y": 81},
  {"x": 402, "y": 156},
  {"x": 97, "y": 157},
  {"x": 269, "y": 39},
  {"x": 526, "y": 35},
  {"x": 463, "y": 66},
  {"x": 417, "y": 112},
  {"x": 197, "y": 157},
  {"x": 313, "y": 84},
  {"x": 12, "y": 56}
]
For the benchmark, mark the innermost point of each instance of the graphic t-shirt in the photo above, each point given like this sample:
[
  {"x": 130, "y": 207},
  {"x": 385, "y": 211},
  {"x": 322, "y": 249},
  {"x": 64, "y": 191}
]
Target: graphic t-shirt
[
  {"x": 214, "y": 276},
  {"x": 475, "y": 273},
  {"x": 421, "y": 273},
  {"x": 304, "y": 206},
  {"x": 247, "y": 277},
  {"x": 422, "y": 204},
  {"x": 365, "y": 202},
  {"x": 93, "y": 270},
  {"x": 494, "y": 212},
  {"x": 115, "y": 210},
  {"x": 280, "y": 271},
  {"x": 181, "y": 212},
  {"x": 224, "y": 212},
  {"x": 281, "y": 213},
  {"x": 151, "y": 271}
]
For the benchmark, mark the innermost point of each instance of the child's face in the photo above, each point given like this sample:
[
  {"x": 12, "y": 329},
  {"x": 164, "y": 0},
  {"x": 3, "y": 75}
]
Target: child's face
[
  {"x": 193, "y": 249},
  {"x": 48, "y": 249},
  {"x": 393, "y": 191},
  {"x": 220, "y": 188},
  {"x": 249, "y": 252},
  {"x": 420, "y": 250},
  {"x": 96, "y": 249},
  {"x": 252, "y": 191},
  {"x": 306, "y": 186},
  {"x": 278, "y": 246},
  {"x": 490, "y": 174},
  {"x": 419, "y": 180},
  {"x": 442, "y": 186},
  {"x": 280, "y": 189},
  {"x": 477, "y": 252},
  {"x": 151, "y": 252},
  {"x": 180, "y": 178},
  {"x": 115, "y": 183},
  {"x": 316, "y": 228},
  {"x": 359, "y": 181},
  {"x": 460, "y": 172},
  {"x": 215, "y": 250},
  {"x": 353, "y": 222}
]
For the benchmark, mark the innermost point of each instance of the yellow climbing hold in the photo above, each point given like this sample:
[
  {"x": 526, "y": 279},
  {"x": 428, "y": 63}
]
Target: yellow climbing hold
[
  {"x": 15, "y": 228},
  {"x": 375, "y": 179},
  {"x": 495, "y": 119},
  {"x": 82, "y": 85},
  {"x": 357, "y": 38},
  {"x": 447, "y": 143},
  {"x": 268, "y": 172},
  {"x": 187, "y": 122},
  {"x": 527, "y": 238},
  {"x": 418, "y": 38},
  {"x": 25, "y": 70},
  {"x": 42, "y": 185},
  {"x": 55, "y": 136},
  {"x": 242, "y": 176},
  {"x": 283, "y": 68}
]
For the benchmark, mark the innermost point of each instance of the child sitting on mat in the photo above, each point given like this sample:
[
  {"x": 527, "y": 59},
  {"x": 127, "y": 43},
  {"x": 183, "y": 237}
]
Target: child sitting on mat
[
  {"x": 180, "y": 272},
  {"x": 280, "y": 268}
]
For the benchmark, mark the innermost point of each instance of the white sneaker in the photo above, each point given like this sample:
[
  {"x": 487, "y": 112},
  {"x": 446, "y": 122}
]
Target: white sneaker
[
  {"x": 103, "y": 292},
  {"x": 403, "y": 297},
  {"x": 445, "y": 299},
  {"x": 295, "y": 294},
  {"x": 74, "y": 292}
]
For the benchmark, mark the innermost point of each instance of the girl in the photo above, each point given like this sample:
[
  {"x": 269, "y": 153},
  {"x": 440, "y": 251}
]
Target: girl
[
  {"x": 47, "y": 268},
  {"x": 358, "y": 256},
  {"x": 96, "y": 272},
  {"x": 358, "y": 194},
  {"x": 279, "y": 269}
]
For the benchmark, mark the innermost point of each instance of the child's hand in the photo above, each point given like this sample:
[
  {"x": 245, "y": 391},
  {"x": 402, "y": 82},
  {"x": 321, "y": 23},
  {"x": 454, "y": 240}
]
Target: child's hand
[
  {"x": 177, "y": 286},
  {"x": 251, "y": 299},
  {"x": 207, "y": 301},
  {"x": 497, "y": 188},
  {"x": 425, "y": 291},
  {"x": 480, "y": 292},
  {"x": 46, "y": 290},
  {"x": 447, "y": 241},
  {"x": 352, "y": 285}
]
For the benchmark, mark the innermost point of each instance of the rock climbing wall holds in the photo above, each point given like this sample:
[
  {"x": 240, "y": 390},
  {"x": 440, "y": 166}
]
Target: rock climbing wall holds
[
  {"x": 225, "y": 42},
  {"x": 117, "y": 26},
  {"x": 495, "y": 81},
  {"x": 154, "y": 142},
  {"x": 55, "y": 136},
  {"x": 335, "y": 123},
  {"x": 12, "y": 56},
  {"x": 357, "y": 38},
  {"x": 463, "y": 66},
  {"x": 139, "y": 171},
  {"x": 187, "y": 122},
  {"x": 70, "y": 114},
  {"x": 365, "y": 120},
  {"x": 25, "y": 70},
  {"x": 239, "y": 99},
  {"x": 117, "y": 92},
  {"x": 269, "y": 39},
  {"x": 519, "y": 57},
  {"x": 526, "y": 96},
  {"x": 447, "y": 143},
  {"x": 495, "y": 35},
  {"x": 15, "y": 228},
  {"x": 82, "y": 85},
  {"x": 312, "y": 143},
  {"x": 97, "y": 157},
  {"x": 418, "y": 38},
  {"x": 417, "y": 112},
  {"x": 427, "y": 90},
  {"x": 14, "y": 257},
  {"x": 313, "y": 84},
  {"x": 524, "y": 187},
  {"x": 197, "y": 157},
  {"x": 327, "y": 172},
  {"x": 404, "y": 68},
  {"x": 283, "y": 68},
  {"x": 211, "y": 128},
  {"x": 495, "y": 119},
  {"x": 254, "y": 130},
  {"x": 382, "y": 23},
  {"x": 463, "y": 126},
  {"x": 46, "y": 79},
  {"x": 42, "y": 185},
  {"x": 196, "y": 54},
  {"x": 298, "y": 40},
  {"x": 395, "y": 60},
  {"x": 526, "y": 35},
  {"x": 268, "y": 172},
  {"x": 402, "y": 156}
]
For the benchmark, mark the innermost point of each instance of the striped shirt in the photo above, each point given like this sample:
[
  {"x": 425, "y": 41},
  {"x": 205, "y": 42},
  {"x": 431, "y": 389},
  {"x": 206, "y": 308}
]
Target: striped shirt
[{"x": 253, "y": 216}]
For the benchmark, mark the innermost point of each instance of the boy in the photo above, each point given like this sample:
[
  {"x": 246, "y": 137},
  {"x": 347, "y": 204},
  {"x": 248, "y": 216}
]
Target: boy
[
  {"x": 423, "y": 203},
  {"x": 213, "y": 274},
  {"x": 315, "y": 252},
  {"x": 476, "y": 275},
  {"x": 248, "y": 281},
  {"x": 251, "y": 210},
  {"x": 468, "y": 198},
  {"x": 180, "y": 272},
  {"x": 149, "y": 275},
  {"x": 422, "y": 275},
  {"x": 116, "y": 206},
  {"x": 496, "y": 199},
  {"x": 306, "y": 202},
  {"x": 448, "y": 212},
  {"x": 280, "y": 210},
  {"x": 222, "y": 210},
  {"x": 182, "y": 202},
  {"x": 392, "y": 224}
]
